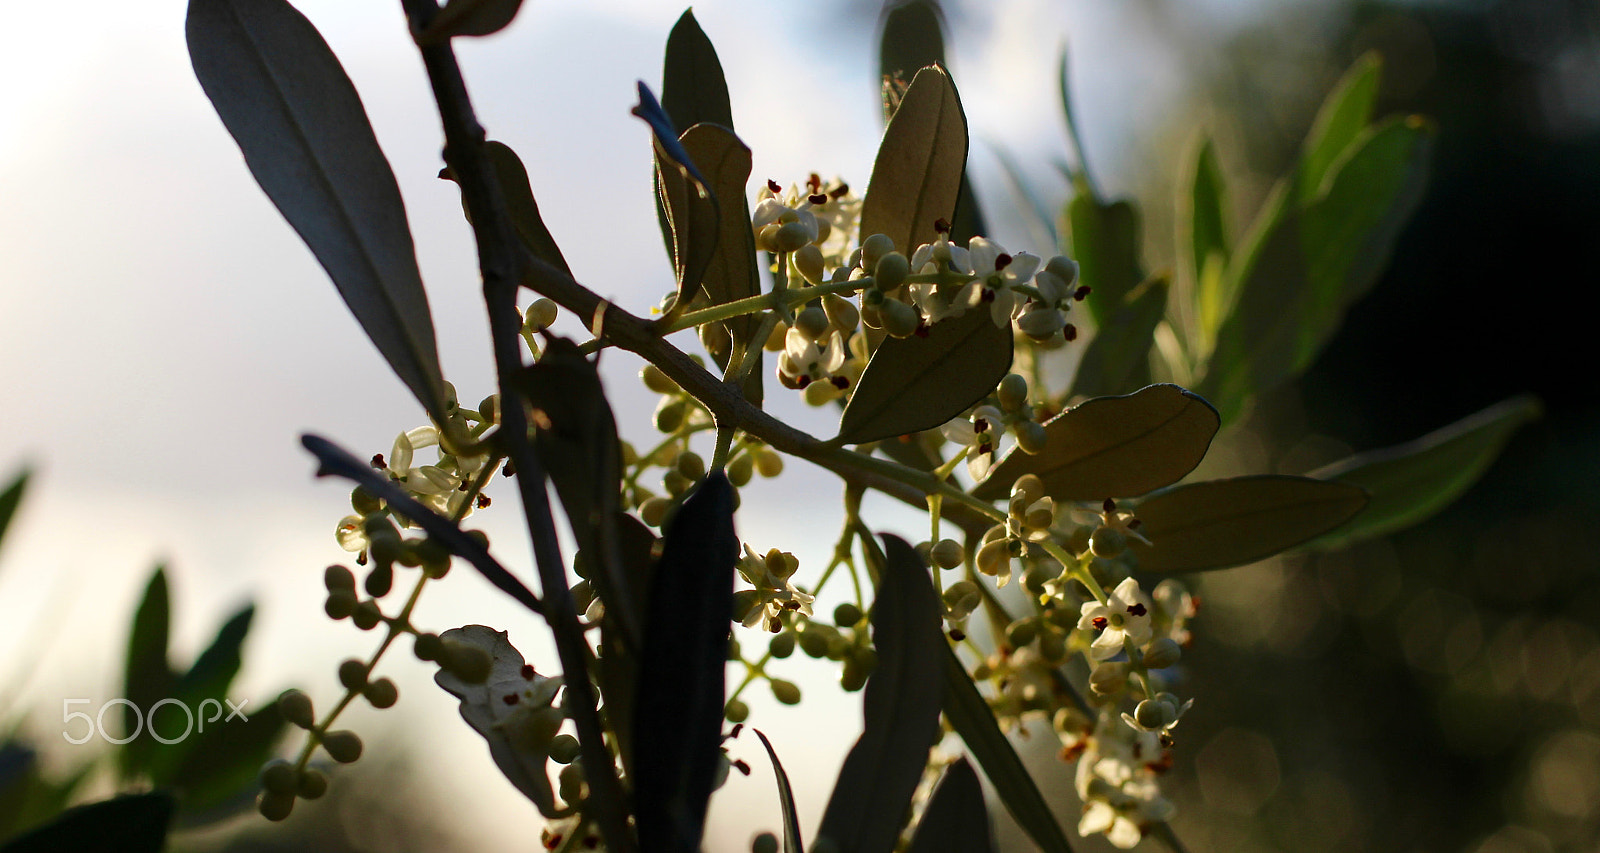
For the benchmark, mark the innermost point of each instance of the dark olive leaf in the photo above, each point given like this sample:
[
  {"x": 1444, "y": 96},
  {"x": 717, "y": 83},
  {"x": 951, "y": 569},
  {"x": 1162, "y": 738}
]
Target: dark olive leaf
[
  {"x": 956, "y": 820},
  {"x": 1203, "y": 216},
  {"x": 900, "y": 710},
  {"x": 677, "y": 724},
  {"x": 9, "y": 499},
  {"x": 1105, "y": 243},
  {"x": 693, "y": 89},
  {"x": 469, "y": 18},
  {"x": 1119, "y": 354},
  {"x": 921, "y": 382},
  {"x": 1222, "y": 523},
  {"x": 286, "y": 100},
  {"x": 147, "y": 676},
  {"x": 522, "y": 207},
  {"x": 1113, "y": 447},
  {"x": 969, "y": 714},
  {"x": 222, "y": 767},
  {"x": 333, "y": 461},
  {"x": 911, "y": 39},
  {"x": 693, "y": 217},
  {"x": 201, "y": 692},
  {"x": 1343, "y": 115},
  {"x": 577, "y": 441},
  {"x": 791, "y": 824},
  {"x": 916, "y": 178},
  {"x": 1412, "y": 481},
  {"x": 136, "y": 823},
  {"x": 617, "y": 665}
]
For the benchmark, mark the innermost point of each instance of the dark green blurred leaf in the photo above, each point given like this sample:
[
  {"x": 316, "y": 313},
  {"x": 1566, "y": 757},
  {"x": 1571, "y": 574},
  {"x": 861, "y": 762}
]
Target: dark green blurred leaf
[
  {"x": 222, "y": 766},
  {"x": 1204, "y": 221},
  {"x": 1119, "y": 355},
  {"x": 577, "y": 441},
  {"x": 617, "y": 666},
  {"x": 791, "y": 825},
  {"x": 682, "y": 670},
  {"x": 901, "y": 710},
  {"x": 916, "y": 178},
  {"x": 28, "y": 797},
  {"x": 956, "y": 820},
  {"x": 147, "y": 676},
  {"x": 1343, "y": 116},
  {"x": 522, "y": 207},
  {"x": 969, "y": 714},
  {"x": 283, "y": 95},
  {"x": 1412, "y": 481},
  {"x": 468, "y": 18},
  {"x": 1112, "y": 447},
  {"x": 693, "y": 89},
  {"x": 201, "y": 691},
  {"x": 1105, "y": 243},
  {"x": 920, "y": 382},
  {"x": 912, "y": 38},
  {"x": 132, "y": 824},
  {"x": 214, "y": 669},
  {"x": 1222, "y": 523},
  {"x": 9, "y": 500}
]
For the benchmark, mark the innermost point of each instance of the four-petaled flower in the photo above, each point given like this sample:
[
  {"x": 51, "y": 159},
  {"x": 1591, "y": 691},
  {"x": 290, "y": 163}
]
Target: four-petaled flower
[{"x": 1124, "y": 617}]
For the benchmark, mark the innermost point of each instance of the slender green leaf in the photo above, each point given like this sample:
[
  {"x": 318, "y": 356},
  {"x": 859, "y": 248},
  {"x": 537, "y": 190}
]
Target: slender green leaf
[
  {"x": 286, "y": 100},
  {"x": 136, "y": 823},
  {"x": 469, "y": 18},
  {"x": 970, "y": 716},
  {"x": 617, "y": 666},
  {"x": 693, "y": 89},
  {"x": 9, "y": 499},
  {"x": 1105, "y": 243},
  {"x": 225, "y": 761},
  {"x": 1119, "y": 355},
  {"x": 682, "y": 671},
  {"x": 1412, "y": 481},
  {"x": 920, "y": 382},
  {"x": 522, "y": 207},
  {"x": 791, "y": 823},
  {"x": 1041, "y": 223},
  {"x": 1222, "y": 523},
  {"x": 578, "y": 444},
  {"x": 901, "y": 710},
  {"x": 916, "y": 178},
  {"x": 214, "y": 669},
  {"x": 1113, "y": 447},
  {"x": 1344, "y": 114},
  {"x": 692, "y": 216},
  {"x": 956, "y": 820},
  {"x": 1203, "y": 237},
  {"x": 147, "y": 676}
]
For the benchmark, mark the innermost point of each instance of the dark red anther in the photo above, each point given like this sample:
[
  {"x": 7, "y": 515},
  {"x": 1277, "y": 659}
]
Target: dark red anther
[
  {"x": 483, "y": 501},
  {"x": 1070, "y": 332},
  {"x": 814, "y": 183},
  {"x": 941, "y": 226},
  {"x": 801, "y": 381},
  {"x": 1137, "y": 609},
  {"x": 511, "y": 698},
  {"x": 361, "y": 558},
  {"x": 377, "y": 461},
  {"x": 774, "y": 186},
  {"x": 839, "y": 191},
  {"x": 1134, "y": 524},
  {"x": 1109, "y": 506},
  {"x": 957, "y": 635},
  {"x": 1080, "y": 293},
  {"x": 1099, "y": 623},
  {"x": 1002, "y": 261},
  {"x": 980, "y": 424},
  {"x": 775, "y": 624},
  {"x": 1167, "y": 742},
  {"x": 742, "y": 767},
  {"x": 737, "y": 728},
  {"x": 987, "y": 295},
  {"x": 462, "y": 487},
  {"x": 527, "y": 671},
  {"x": 510, "y": 470},
  {"x": 922, "y": 329},
  {"x": 553, "y": 841},
  {"x": 817, "y": 198},
  {"x": 840, "y": 382}
]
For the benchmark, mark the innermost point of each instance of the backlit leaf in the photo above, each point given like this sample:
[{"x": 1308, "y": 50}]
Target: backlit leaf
[
  {"x": 901, "y": 710},
  {"x": 919, "y": 382},
  {"x": 201, "y": 690},
  {"x": 969, "y": 714},
  {"x": 1343, "y": 115},
  {"x": 522, "y": 207},
  {"x": 791, "y": 825},
  {"x": 1204, "y": 238},
  {"x": 1105, "y": 243},
  {"x": 1222, "y": 523},
  {"x": 136, "y": 823},
  {"x": 1412, "y": 481},
  {"x": 1118, "y": 356},
  {"x": 223, "y": 765},
  {"x": 956, "y": 820},
  {"x": 469, "y": 18},
  {"x": 147, "y": 676},
  {"x": 682, "y": 671},
  {"x": 693, "y": 89},
  {"x": 916, "y": 178},
  {"x": 286, "y": 100},
  {"x": 692, "y": 218},
  {"x": 1113, "y": 447}
]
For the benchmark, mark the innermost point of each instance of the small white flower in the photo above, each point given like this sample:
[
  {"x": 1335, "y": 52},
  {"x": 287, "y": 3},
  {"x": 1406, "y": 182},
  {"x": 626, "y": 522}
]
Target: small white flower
[
  {"x": 997, "y": 272},
  {"x": 1124, "y": 617},
  {"x": 773, "y": 594},
  {"x": 803, "y": 362}
]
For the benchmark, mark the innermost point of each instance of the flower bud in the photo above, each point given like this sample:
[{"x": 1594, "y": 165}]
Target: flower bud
[
  {"x": 295, "y": 706},
  {"x": 669, "y": 415},
  {"x": 367, "y": 615},
  {"x": 812, "y": 322},
  {"x": 311, "y": 783},
  {"x": 781, "y": 645},
  {"x": 364, "y": 502},
  {"x": 380, "y": 580},
  {"x": 1109, "y": 678},
  {"x": 740, "y": 469},
  {"x": 570, "y": 782},
  {"x": 428, "y": 647},
  {"x": 745, "y": 601},
  {"x": 808, "y": 260},
  {"x": 842, "y": 313},
  {"x": 1154, "y": 714},
  {"x": 274, "y": 806},
  {"x": 675, "y": 483},
  {"x": 993, "y": 556},
  {"x": 899, "y": 319},
  {"x": 691, "y": 465},
  {"x": 539, "y": 316},
  {"x": 1162, "y": 653},
  {"x": 1030, "y": 435},
  {"x": 1107, "y": 542},
  {"x": 343, "y": 746},
  {"x": 1021, "y": 632},
  {"x": 873, "y": 249},
  {"x": 786, "y": 692},
  {"x": 1052, "y": 647},
  {"x": 871, "y": 315},
  {"x": 1041, "y": 513},
  {"x": 353, "y": 674},
  {"x": 891, "y": 271},
  {"x": 852, "y": 677},
  {"x": 656, "y": 380},
  {"x": 768, "y": 463},
  {"x": 764, "y": 842},
  {"x": 340, "y": 604},
  {"x": 381, "y": 693},
  {"x": 1037, "y": 575},
  {"x": 489, "y": 409},
  {"x": 947, "y": 554},
  {"x": 961, "y": 598},
  {"x": 434, "y": 558},
  {"x": 1040, "y": 323},
  {"x": 564, "y": 748},
  {"x": 781, "y": 564},
  {"x": 1063, "y": 268},
  {"x": 813, "y": 642},
  {"x": 737, "y": 711},
  {"x": 715, "y": 338},
  {"x": 654, "y": 511},
  {"x": 777, "y": 338},
  {"x": 847, "y": 615},
  {"x": 791, "y": 236},
  {"x": 1029, "y": 487},
  {"x": 278, "y": 777},
  {"x": 1013, "y": 393}
]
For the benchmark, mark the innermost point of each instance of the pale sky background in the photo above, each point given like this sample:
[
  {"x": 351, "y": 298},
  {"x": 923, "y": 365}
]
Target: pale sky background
[{"x": 165, "y": 337}]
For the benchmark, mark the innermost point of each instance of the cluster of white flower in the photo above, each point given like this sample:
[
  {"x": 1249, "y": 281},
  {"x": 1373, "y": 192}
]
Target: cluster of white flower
[
  {"x": 816, "y": 223},
  {"x": 773, "y": 598}
]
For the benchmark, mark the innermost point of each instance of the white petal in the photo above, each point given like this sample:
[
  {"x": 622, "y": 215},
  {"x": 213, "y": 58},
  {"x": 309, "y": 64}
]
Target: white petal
[
  {"x": 1124, "y": 833},
  {"x": 1098, "y": 816},
  {"x": 983, "y": 253}
]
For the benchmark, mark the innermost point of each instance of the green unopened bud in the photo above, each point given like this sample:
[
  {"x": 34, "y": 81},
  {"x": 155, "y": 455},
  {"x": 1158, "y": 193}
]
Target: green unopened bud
[
  {"x": 364, "y": 502},
  {"x": 669, "y": 415},
  {"x": 808, "y": 260},
  {"x": 381, "y": 693},
  {"x": 343, "y": 746},
  {"x": 367, "y": 615},
  {"x": 279, "y": 777},
  {"x": 1037, "y": 575},
  {"x": 961, "y": 598},
  {"x": 353, "y": 674},
  {"x": 947, "y": 554},
  {"x": 1108, "y": 678},
  {"x": 1107, "y": 542},
  {"x": 813, "y": 642},
  {"x": 1041, "y": 513},
  {"x": 539, "y": 316},
  {"x": 899, "y": 319},
  {"x": 741, "y": 469},
  {"x": 781, "y": 564},
  {"x": 1064, "y": 268},
  {"x": 871, "y": 315},
  {"x": 993, "y": 556},
  {"x": 570, "y": 782},
  {"x": 890, "y": 272},
  {"x": 1031, "y": 436},
  {"x": 847, "y": 615},
  {"x": 1052, "y": 646},
  {"x": 274, "y": 806},
  {"x": 768, "y": 463},
  {"x": 564, "y": 748},
  {"x": 764, "y": 842},
  {"x": 775, "y": 338},
  {"x": 1021, "y": 632},
  {"x": 1154, "y": 714},
  {"x": 1013, "y": 393},
  {"x": 295, "y": 706},
  {"x": 311, "y": 783},
  {"x": 489, "y": 409},
  {"x": 654, "y": 511},
  {"x": 715, "y": 338},
  {"x": 841, "y": 312},
  {"x": 675, "y": 483},
  {"x": 786, "y": 692},
  {"x": 812, "y": 322},
  {"x": 657, "y": 381},
  {"x": 381, "y": 579},
  {"x": 781, "y": 645},
  {"x": 340, "y": 604},
  {"x": 737, "y": 711},
  {"x": 1040, "y": 323},
  {"x": 691, "y": 465},
  {"x": 428, "y": 647},
  {"x": 1162, "y": 653},
  {"x": 434, "y": 558},
  {"x": 852, "y": 677}
]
